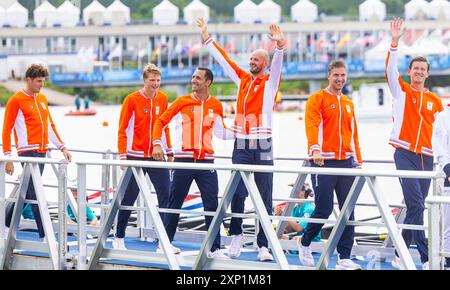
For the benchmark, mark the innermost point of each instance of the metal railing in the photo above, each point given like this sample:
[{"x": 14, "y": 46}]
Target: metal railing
[
  {"x": 87, "y": 258},
  {"x": 435, "y": 230}
]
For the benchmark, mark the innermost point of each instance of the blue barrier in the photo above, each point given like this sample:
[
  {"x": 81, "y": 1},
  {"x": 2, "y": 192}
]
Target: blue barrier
[{"x": 289, "y": 69}]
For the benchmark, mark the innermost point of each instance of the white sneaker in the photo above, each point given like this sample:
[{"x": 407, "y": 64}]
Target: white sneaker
[
  {"x": 175, "y": 250},
  {"x": 234, "y": 250},
  {"x": 426, "y": 266},
  {"x": 218, "y": 255},
  {"x": 305, "y": 256},
  {"x": 264, "y": 254},
  {"x": 118, "y": 244},
  {"x": 396, "y": 263},
  {"x": 347, "y": 264}
]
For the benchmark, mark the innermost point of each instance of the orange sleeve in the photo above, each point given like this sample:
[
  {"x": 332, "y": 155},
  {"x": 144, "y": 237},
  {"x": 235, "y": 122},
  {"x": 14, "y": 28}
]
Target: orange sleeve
[
  {"x": 164, "y": 121},
  {"x": 356, "y": 140},
  {"x": 313, "y": 119},
  {"x": 125, "y": 115},
  {"x": 53, "y": 134},
  {"x": 11, "y": 112}
]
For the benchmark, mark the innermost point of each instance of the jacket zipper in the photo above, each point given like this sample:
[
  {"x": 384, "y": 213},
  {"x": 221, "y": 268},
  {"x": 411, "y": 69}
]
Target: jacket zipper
[
  {"x": 421, "y": 121},
  {"x": 245, "y": 107},
  {"x": 340, "y": 127},
  {"x": 151, "y": 121},
  {"x": 42, "y": 121},
  {"x": 200, "y": 136}
]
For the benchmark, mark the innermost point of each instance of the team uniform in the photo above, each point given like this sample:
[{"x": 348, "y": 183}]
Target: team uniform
[
  {"x": 253, "y": 128},
  {"x": 414, "y": 115},
  {"x": 195, "y": 123},
  {"x": 33, "y": 127},
  {"x": 137, "y": 119},
  {"x": 331, "y": 130}
]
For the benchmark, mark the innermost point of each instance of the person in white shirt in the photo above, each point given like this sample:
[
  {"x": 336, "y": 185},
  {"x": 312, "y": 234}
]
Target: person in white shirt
[{"x": 441, "y": 148}]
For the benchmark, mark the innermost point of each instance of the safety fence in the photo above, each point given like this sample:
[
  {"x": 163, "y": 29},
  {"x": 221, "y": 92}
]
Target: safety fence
[{"x": 150, "y": 224}]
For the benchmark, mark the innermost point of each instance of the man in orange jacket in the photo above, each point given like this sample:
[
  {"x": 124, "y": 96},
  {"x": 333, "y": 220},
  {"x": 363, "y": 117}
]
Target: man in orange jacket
[
  {"x": 28, "y": 114},
  {"x": 139, "y": 113},
  {"x": 333, "y": 142},
  {"x": 253, "y": 125},
  {"x": 197, "y": 117},
  {"x": 415, "y": 109}
]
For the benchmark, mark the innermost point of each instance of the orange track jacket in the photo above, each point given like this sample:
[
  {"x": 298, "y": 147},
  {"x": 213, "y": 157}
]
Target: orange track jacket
[{"x": 137, "y": 119}]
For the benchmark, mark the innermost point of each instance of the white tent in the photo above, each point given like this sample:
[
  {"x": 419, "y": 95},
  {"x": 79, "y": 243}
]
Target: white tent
[
  {"x": 45, "y": 15},
  {"x": 304, "y": 11},
  {"x": 6, "y": 3},
  {"x": 195, "y": 10},
  {"x": 246, "y": 12},
  {"x": 94, "y": 14},
  {"x": 166, "y": 13},
  {"x": 269, "y": 12},
  {"x": 16, "y": 15},
  {"x": 118, "y": 13},
  {"x": 427, "y": 46},
  {"x": 440, "y": 10},
  {"x": 372, "y": 10},
  {"x": 417, "y": 10},
  {"x": 2, "y": 16},
  {"x": 69, "y": 14}
]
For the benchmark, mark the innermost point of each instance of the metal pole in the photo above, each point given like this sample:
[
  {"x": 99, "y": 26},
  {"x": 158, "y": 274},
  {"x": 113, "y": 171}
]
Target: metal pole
[
  {"x": 105, "y": 183},
  {"x": 81, "y": 219},
  {"x": 434, "y": 236},
  {"x": 2, "y": 206},
  {"x": 62, "y": 216}
]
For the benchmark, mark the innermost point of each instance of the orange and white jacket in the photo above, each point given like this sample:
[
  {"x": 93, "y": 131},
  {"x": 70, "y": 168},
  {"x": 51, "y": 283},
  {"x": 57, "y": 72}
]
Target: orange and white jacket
[
  {"x": 137, "y": 119},
  {"x": 256, "y": 97},
  {"x": 195, "y": 122},
  {"x": 33, "y": 126},
  {"x": 331, "y": 127},
  {"x": 414, "y": 111}
]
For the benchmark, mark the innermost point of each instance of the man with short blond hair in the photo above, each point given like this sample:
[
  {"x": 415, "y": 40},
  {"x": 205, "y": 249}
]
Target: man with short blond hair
[
  {"x": 333, "y": 142},
  {"x": 140, "y": 111}
]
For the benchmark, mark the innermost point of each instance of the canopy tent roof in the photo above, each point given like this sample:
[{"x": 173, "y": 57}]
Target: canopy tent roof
[
  {"x": 16, "y": 15},
  {"x": 246, "y": 12},
  {"x": 417, "y": 10},
  {"x": 94, "y": 13},
  {"x": 166, "y": 13},
  {"x": 440, "y": 9},
  {"x": 372, "y": 10},
  {"x": 304, "y": 11},
  {"x": 69, "y": 14},
  {"x": 269, "y": 12},
  {"x": 118, "y": 13},
  {"x": 45, "y": 15},
  {"x": 195, "y": 10}
]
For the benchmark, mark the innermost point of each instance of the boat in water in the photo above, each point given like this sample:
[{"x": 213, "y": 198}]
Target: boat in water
[{"x": 90, "y": 112}]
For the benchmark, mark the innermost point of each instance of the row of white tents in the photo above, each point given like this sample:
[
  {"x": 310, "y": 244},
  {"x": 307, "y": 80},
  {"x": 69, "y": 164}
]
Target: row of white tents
[
  {"x": 304, "y": 11},
  {"x": 166, "y": 13},
  {"x": 67, "y": 14}
]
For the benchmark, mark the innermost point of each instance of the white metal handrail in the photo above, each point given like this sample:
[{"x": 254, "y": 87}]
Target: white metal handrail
[
  {"x": 435, "y": 227},
  {"x": 244, "y": 171}
]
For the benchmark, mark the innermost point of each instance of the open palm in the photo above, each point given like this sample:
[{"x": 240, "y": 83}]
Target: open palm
[
  {"x": 397, "y": 28},
  {"x": 276, "y": 34},
  {"x": 201, "y": 24}
]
